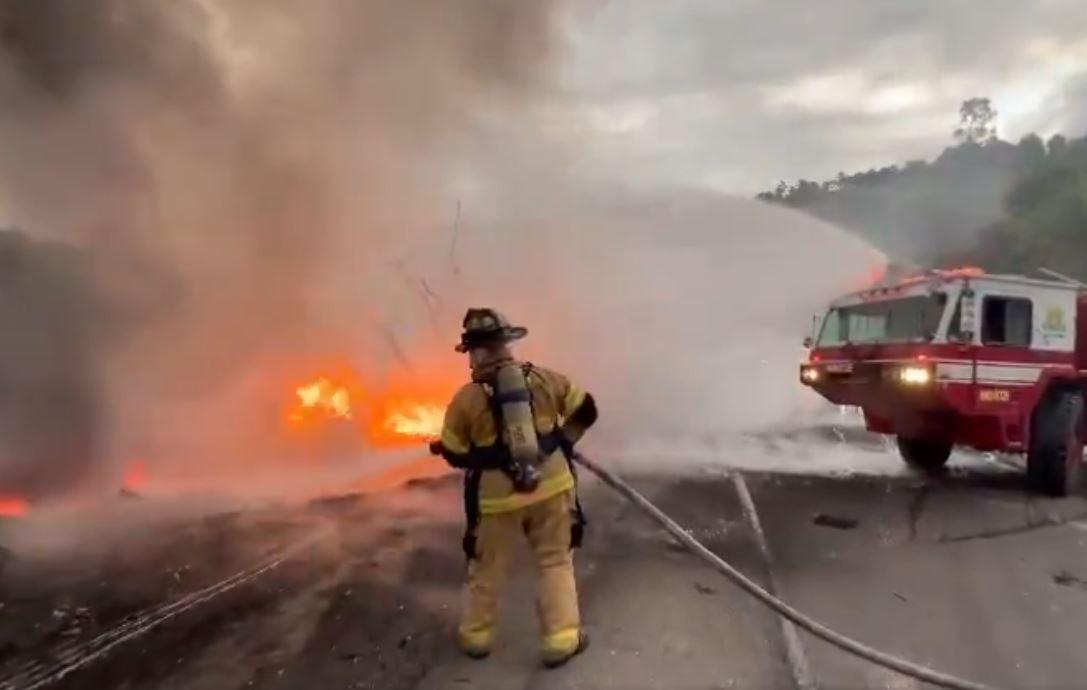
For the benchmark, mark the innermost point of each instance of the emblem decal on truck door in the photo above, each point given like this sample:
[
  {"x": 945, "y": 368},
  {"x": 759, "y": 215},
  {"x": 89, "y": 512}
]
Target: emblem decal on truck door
[{"x": 1054, "y": 322}]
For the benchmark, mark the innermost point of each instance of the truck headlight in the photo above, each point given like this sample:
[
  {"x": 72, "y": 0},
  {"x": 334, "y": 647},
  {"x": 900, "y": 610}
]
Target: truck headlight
[
  {"x": 809, "y": 375},
  {"x": 916, "y": 376}
]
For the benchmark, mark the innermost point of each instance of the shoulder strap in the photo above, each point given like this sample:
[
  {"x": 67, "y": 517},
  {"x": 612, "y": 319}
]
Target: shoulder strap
[{"x": 545, "y": 383}]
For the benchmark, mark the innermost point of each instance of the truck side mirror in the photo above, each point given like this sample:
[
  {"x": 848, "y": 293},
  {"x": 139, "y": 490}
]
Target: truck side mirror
[{"x": 808, "y": 342}]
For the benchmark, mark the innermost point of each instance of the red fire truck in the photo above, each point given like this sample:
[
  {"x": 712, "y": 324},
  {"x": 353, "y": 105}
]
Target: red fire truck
[{"x": 945, "y": 358}]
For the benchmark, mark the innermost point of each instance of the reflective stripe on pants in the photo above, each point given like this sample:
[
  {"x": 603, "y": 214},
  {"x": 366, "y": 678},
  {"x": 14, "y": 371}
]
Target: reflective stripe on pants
[{"x": 547, "y": 526}]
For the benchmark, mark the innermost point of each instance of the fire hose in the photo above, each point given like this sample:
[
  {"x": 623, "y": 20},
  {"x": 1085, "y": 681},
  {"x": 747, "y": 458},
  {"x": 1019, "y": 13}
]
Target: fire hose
[{"x": 779, "y": 606}]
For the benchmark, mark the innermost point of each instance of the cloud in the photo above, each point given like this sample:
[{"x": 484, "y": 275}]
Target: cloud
[
  {"x": 1061, "y": 110},
  {"x": 1075, "y": 110},
  {"x": 740, "y": 94},
  {"x": 850, "y": 91}
]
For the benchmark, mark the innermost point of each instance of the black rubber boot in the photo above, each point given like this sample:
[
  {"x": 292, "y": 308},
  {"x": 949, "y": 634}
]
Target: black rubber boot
[{"x": 477, "y": 654}]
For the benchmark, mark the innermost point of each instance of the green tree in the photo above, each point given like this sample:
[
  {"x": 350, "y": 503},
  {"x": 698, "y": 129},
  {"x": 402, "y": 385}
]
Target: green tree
[
  {"x": 977, "y": 121},
  {"x": 1032, "y": 152},
  {"x": 1057, "y": 146}
]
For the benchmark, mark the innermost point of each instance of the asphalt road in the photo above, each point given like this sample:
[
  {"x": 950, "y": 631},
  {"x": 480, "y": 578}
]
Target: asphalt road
[
  {"x": 964, "y": 573},
  {"x": 967, "y": 574}
]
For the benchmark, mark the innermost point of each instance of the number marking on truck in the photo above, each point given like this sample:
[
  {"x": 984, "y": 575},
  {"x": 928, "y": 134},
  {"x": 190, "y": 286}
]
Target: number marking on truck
[{"x": 1002, "y": 395}]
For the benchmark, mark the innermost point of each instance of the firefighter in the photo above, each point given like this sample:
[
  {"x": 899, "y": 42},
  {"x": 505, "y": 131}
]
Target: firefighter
[{"x": 512, "y": 429}]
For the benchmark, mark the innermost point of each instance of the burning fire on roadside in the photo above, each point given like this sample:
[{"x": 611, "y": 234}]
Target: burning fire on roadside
[
  {"x": 318, "y": 400},
  {"x": 136, "y": 477},
  {"x": 395, "y": 412},
  {"x": 402, "y": 410},
  {"x": 416, "y": 420},
  {"x": 12, "y": 506},
  {"x": 333, "y": 413}
]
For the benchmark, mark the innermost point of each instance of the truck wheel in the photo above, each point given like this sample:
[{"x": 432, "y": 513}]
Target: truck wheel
[
  {"x": 927, "y": 455},
  {"x": 1055, "y": 459}
]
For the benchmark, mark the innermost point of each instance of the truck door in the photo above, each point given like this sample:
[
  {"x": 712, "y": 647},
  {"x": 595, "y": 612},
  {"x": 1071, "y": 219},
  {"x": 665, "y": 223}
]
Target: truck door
[
  {"x": 1023, "y": 330},
  {"x": 1081, "y": 333}
]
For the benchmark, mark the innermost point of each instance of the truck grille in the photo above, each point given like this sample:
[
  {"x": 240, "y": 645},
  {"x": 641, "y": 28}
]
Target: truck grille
[{"x": 865, "y": 372}]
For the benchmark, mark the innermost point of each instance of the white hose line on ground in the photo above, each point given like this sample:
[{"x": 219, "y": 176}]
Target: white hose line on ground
[
  {"x": 794, "y": 648},
  {"x": 813, "y": 626}
]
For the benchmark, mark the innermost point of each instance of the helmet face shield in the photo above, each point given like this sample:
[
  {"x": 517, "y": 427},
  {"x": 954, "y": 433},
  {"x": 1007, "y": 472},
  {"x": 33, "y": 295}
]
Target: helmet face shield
[
  {"x": 481, "y": 357},
  {"x": 475, "y": 341},
  {"x": 487, "y": 328}
]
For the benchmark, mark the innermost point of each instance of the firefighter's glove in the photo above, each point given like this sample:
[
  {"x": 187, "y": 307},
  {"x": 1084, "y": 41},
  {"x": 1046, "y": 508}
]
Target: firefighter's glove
[
  {"x": 454, "y": 460},
  {"x": 458, "y": 462},
  {"x": 581, "y": 419},
  {"x": 567, "y": 446},
  {"x": 570, "y": 436}
]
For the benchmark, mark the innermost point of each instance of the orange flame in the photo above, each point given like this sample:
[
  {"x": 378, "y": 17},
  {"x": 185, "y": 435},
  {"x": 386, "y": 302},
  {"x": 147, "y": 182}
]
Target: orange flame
[
  {"x": 411, "y": 405},
  {"x": 876, "y": 273},
  {"x": 321, "y": 399},
  {"x": 13, "y": 506},
  {"x": 965, "y": 271},
  {"x": 136, "y": 476},
  {"x": 419, "y": 420},
  {"x": 403, "y": 408}
]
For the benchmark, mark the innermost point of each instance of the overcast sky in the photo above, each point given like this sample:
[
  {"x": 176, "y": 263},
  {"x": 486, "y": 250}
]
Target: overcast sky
[{"x": 736, "y": 94}]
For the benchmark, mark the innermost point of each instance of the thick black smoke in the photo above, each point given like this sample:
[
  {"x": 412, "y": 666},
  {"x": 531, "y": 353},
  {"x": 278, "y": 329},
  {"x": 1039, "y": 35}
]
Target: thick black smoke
[
  {"x": 50, "y": 415},
  {"x": 221, "y": 166}
]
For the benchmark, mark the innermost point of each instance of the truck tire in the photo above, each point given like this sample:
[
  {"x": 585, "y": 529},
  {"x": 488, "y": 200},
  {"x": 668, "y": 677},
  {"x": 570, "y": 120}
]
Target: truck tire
[
  {"x": 927, "y": 455},
  {"x": 1055, "y": 458}
]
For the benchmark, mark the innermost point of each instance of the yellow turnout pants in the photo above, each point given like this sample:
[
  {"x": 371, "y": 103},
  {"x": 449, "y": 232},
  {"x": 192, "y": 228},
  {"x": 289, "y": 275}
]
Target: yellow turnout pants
[{"x": 546, "y": 524}]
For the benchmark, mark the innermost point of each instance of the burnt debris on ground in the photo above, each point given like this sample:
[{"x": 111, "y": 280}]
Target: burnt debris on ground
[{"x": 369, "y": 602}]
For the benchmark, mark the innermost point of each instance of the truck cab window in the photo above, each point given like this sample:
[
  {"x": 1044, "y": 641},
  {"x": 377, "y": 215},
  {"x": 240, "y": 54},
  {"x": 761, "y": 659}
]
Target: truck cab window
[
  {"x": 901, "y": 320},
  {"x": 1006, "y": 321}
]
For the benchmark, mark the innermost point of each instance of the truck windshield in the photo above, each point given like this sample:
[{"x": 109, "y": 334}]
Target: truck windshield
[{"x": 890, "y": 321}]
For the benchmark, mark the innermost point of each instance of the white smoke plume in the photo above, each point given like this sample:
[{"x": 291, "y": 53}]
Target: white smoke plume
[{"x": 684, "y": 312}]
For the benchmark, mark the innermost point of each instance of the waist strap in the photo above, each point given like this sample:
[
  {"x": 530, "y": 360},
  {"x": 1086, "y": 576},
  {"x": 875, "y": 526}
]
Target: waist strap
[
  {"x": 495, "y": 457},
  {"x": 551, "y": 441}
]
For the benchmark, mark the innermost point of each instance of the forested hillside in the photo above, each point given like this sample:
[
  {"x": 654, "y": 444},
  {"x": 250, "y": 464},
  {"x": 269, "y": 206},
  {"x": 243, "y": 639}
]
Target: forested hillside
[{"x": 1006, "y": 206}]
